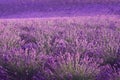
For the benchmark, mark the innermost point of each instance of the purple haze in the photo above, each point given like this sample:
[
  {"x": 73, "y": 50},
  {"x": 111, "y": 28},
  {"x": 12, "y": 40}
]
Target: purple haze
[{"x": 54, "y": 8}]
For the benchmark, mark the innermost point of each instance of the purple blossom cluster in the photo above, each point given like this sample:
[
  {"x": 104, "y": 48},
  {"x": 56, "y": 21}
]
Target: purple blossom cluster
[{"x": 73, "y": 52}]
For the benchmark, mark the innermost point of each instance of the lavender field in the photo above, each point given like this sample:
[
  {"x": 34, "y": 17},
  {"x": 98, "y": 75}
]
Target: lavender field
[
  {"x": 55, "y": 8},
  {"x": 61, "y": 42}
]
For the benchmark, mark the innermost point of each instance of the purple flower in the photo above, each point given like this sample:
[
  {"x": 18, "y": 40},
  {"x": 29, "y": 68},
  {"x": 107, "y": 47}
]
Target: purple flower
[
  {"x": 27, "y": 38},
  {"x": 28, "y": 29},
  {"x": 3, "y": 74},
  {"x": 105, "y": 73}
]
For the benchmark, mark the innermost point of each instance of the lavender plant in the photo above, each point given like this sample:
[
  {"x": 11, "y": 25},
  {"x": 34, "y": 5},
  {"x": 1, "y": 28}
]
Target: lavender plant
[
  {"x": 20, "y": 65},
  {"x": 70, "y": 67}
]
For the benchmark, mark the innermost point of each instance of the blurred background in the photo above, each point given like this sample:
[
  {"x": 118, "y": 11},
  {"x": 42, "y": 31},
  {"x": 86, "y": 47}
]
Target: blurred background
[{"x": 45, "y": 8}]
